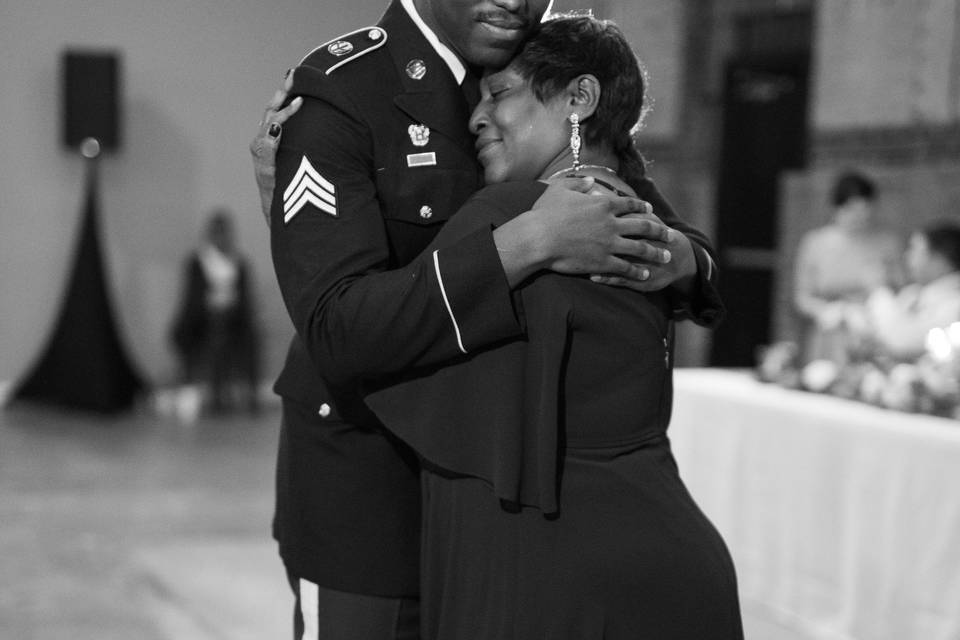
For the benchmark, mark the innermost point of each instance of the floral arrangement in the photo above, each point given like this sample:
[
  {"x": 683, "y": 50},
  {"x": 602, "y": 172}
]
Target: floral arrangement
[{"x": 929, "y": 385}]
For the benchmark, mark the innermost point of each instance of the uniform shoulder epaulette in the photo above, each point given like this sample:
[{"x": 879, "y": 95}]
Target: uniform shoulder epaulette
[{"x": 332, "y": 55}]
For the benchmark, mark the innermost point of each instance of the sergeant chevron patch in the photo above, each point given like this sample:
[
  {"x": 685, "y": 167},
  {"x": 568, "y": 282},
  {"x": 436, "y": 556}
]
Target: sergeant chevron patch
[{"x": 308, "y": 187}]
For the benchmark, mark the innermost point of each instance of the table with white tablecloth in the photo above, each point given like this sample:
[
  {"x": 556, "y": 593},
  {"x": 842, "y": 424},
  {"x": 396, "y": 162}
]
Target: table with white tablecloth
[{"x": 843, "y": 519}]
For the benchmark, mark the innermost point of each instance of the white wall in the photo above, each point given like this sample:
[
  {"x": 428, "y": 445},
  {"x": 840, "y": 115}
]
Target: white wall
[{"x": 196, "y": 74}]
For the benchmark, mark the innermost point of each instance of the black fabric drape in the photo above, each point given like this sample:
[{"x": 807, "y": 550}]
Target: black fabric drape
[{"x": 84, "y": 364}]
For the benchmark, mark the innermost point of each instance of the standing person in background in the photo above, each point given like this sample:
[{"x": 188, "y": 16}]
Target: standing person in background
[
  {"x": 839, "y": 264},
  {"x": 376, "y": 158},
  {"x": 214, "y": 330}
]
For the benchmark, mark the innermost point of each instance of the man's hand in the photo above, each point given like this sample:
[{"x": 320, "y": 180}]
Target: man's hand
[
  {"x": 679, "y": 269},
  {"x": 616, "y": 239},
  {"x": 263, "y": 147}
]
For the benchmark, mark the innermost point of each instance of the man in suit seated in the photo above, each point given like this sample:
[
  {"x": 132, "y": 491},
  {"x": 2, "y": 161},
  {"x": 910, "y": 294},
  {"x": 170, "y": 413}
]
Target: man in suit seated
[{"x": 898, "y": 323}]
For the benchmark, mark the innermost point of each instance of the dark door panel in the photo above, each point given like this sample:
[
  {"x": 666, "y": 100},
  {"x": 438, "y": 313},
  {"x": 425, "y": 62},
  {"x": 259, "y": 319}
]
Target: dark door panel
[{"x": 764, "y": 133}]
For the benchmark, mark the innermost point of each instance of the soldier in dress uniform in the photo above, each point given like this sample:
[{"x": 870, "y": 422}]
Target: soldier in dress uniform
[{"x": 376, "y": 158}]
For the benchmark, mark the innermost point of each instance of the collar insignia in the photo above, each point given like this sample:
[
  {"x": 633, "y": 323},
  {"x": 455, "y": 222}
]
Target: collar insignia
[{"x": 416, "y": 69}]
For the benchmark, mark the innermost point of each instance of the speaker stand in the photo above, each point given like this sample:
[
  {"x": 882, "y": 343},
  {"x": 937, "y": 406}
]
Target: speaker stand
[{"x": 84, "y": 364}]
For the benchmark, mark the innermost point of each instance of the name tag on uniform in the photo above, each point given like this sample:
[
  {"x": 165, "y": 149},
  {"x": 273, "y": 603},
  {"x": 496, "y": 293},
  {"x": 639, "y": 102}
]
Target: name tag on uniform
[{"x": 422, "y": 159}]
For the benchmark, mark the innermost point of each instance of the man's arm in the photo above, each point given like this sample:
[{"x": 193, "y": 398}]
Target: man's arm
[
  {"x": 900, "y": 324},
  {"x": 689, "y": 273},
  {"x": 356, "y": 313},
  {"x": 640, "y": 253},
  {"x": 357, "y": 317}
]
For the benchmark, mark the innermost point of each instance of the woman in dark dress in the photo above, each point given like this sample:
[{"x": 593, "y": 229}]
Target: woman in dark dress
[
  {"x": 553, "y": 508},
  {"x": 214, "y": 331}
]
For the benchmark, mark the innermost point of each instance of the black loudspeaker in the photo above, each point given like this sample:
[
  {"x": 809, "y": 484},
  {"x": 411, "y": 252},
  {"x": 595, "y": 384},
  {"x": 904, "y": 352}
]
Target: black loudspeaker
[{"x": 91, "y": 98}]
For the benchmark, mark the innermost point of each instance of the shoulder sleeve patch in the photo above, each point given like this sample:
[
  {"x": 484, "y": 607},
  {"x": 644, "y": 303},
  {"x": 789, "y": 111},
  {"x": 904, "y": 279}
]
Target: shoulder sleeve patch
[
  {"x": 332, "y": 55},
  {"x": 308, "y": 187}
]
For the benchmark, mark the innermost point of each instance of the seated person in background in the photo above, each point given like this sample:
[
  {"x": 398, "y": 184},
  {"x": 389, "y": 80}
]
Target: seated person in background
[
  {"x": 897, "y": 324},
  {"x": 840, "y": 264},
  {"x": 213, "y": 331}
]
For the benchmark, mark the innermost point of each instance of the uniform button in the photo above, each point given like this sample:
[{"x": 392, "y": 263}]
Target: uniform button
[
  {"x": 374, "y": 34},
  {"x": 324, "y": 410},
  {"x": 426, "y": 212}
]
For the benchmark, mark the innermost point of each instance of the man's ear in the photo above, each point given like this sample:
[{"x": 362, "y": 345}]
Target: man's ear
[{"x": 584, "y": 95}]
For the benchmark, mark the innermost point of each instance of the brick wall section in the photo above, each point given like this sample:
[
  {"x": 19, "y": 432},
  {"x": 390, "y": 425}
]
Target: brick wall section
[{"x": 882, "y": 64}]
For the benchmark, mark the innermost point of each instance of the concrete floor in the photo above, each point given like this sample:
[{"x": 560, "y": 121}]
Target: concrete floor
[
  {"x": 137, "y": 527},
  {"x": 142, "y": 527}
]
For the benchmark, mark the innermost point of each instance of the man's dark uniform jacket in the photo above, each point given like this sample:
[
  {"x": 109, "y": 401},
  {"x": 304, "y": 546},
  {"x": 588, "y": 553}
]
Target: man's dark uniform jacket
[{"x": 374, "y": 162}]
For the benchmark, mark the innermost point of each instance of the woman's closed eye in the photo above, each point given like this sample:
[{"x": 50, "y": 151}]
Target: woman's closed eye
[{"x": 498, "y": 90}]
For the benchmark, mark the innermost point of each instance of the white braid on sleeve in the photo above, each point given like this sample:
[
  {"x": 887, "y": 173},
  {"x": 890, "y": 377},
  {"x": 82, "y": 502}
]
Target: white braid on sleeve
[{"x": 446, "y": 301}]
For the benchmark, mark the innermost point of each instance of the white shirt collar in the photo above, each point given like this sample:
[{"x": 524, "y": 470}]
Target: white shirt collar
[{"x": 456, "y": 65}]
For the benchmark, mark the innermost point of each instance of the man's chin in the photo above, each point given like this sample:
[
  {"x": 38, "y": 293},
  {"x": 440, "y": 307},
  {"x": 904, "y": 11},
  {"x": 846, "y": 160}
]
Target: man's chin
[
  {"x": 493, "y": 176},
  {"x": 494, "y": 55}
]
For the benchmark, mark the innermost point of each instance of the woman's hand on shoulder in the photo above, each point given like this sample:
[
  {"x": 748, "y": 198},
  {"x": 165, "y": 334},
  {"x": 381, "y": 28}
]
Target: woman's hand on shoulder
[{"x": 263, "y": 147}]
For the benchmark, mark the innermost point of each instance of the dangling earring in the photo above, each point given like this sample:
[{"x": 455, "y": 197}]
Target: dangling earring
[{"x": 575, "y": 139}]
